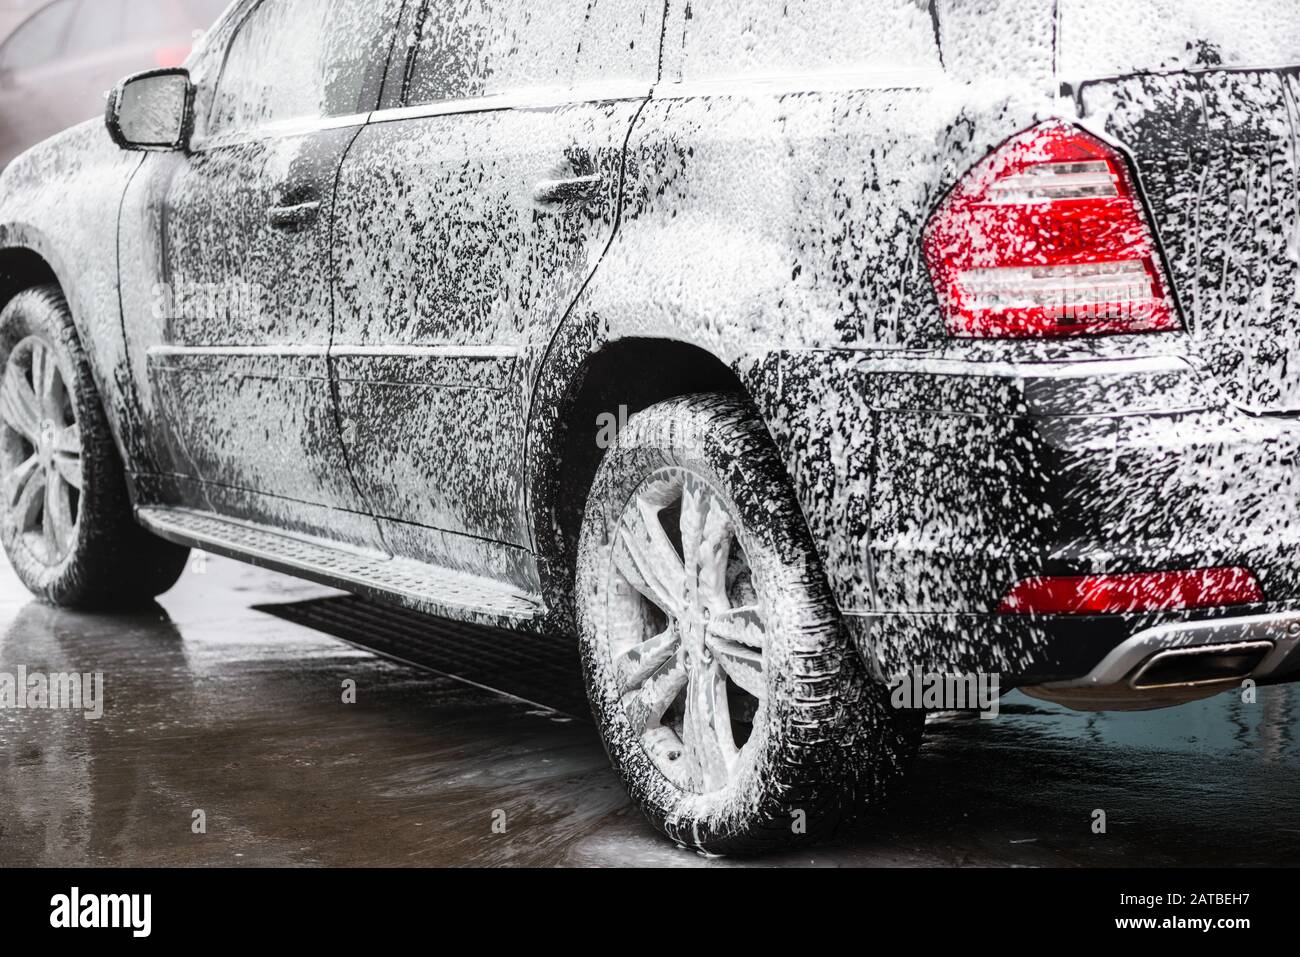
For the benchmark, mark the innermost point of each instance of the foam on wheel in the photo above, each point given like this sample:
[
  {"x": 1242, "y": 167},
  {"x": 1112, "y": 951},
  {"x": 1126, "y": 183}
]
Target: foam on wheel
[
  {"x": 715, "y": 665},
  {"x": 65, "y": 516}
]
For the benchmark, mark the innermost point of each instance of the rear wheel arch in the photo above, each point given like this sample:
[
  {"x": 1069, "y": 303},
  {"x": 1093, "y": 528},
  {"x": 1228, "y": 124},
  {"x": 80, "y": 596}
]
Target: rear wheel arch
[{"x": 577, "y": 403}]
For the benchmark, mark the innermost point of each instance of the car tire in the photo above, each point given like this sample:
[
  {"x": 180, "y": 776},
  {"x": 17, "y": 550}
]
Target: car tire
[
  {"x": 723, "y": 687},
  {"x": 66, "y": 522}
]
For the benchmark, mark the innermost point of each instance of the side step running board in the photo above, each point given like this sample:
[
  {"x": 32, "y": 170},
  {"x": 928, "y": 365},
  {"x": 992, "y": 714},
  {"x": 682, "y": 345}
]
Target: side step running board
[{"x": 435, "y": 591}]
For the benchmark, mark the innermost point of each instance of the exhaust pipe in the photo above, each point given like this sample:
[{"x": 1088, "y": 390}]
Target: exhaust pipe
[
  {"x": 1200, "y": 665},
  {"x": 1181, "y": 661}
]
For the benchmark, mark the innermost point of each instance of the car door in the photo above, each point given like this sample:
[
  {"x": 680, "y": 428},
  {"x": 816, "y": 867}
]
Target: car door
[
  {"x": 470, "y": 212},
  {"x": 236, "y": 251}
]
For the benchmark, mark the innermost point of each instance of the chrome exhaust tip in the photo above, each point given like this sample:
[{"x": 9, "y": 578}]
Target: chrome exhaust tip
[
  {"x": 1202, "y": 666},
  {"x": 1181, "y": 661}
]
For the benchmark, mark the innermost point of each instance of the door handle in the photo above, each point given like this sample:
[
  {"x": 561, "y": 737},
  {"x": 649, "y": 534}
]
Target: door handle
[
  {"x": 293, "y": 217},
  {"x": 562, "y": 192}
]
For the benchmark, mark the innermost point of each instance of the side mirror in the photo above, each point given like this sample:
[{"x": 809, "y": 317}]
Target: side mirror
[{"x": 153, "y": 110}]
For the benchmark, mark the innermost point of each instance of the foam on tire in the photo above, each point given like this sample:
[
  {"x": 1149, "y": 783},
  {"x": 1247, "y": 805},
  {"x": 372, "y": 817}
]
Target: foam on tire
[
  {"x": 113, "y": 562},
  {"x": 830, "y": 743}
]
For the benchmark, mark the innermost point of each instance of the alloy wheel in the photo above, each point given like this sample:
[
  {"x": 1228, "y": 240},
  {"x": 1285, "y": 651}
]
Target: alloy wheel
[
  {"x": 687, "y": 630},
  {"x": 40, "y": 450}
]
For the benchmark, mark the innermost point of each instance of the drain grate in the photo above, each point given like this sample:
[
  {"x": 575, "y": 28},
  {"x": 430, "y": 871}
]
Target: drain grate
[{"x": 543, "y": 671}]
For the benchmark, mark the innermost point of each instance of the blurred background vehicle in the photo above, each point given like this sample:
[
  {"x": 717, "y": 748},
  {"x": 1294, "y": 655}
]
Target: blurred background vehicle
[{"x": 59, "y": 57}]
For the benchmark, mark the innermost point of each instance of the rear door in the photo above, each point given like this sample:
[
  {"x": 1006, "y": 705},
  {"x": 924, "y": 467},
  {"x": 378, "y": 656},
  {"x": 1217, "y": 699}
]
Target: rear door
[
  {"x": 1209, "y": 103},
  {"x": 237, "y": 257},
  {"x": 469, "y": 215}
]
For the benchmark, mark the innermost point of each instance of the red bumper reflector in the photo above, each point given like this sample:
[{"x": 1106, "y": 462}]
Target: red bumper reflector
[{"x": 1144, "y": 591}]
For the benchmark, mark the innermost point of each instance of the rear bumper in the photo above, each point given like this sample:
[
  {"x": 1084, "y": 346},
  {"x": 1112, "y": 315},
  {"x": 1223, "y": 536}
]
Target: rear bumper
[
  {"x": 1082, "y": 652},
  {"x": 934, "y": 485},
  {"x": 1183, "y": 661}
]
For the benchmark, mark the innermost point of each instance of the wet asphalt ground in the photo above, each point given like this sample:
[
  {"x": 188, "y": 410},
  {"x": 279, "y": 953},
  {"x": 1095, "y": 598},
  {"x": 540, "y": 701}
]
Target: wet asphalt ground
[{"x": 226, "y": 699}]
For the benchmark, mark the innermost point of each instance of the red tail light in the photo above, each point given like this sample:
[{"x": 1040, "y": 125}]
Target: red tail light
[
  {"x": 1048, "y": 237},
  {"x": 1148, "y": 591}
]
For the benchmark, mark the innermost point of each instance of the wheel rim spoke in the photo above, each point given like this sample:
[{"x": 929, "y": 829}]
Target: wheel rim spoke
[
  {"x": 648, "y": 560},
  {"x": 69, "y": 469},
  {"x": 707, "y": 727},
  {"x": 743, "y": 665},
  {"x": 46, "y": 380},
  {"x": 647, "y": 704},
  {"x": 741, "y": 626},
  {"x": 706, "y": 544},
  {"x": 639, "y": 662},
  {"x": 18, "y": 406},
  {"x": 25, "y": 493}
]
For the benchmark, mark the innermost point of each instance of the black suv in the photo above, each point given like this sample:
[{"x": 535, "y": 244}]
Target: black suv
[{"x": 779, "y": 349}]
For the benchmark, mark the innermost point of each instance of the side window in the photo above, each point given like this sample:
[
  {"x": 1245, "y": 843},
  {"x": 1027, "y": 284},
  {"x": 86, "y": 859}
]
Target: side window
[
  {"x": 483, "y": 47},
  {"x": 769, "y": 38},
  {"x": 293, "y": 59},
  {"x": 40, "y": 39}
]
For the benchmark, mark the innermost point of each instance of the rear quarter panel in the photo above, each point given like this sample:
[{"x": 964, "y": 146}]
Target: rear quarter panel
[{"x": 772, "y": 229}]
